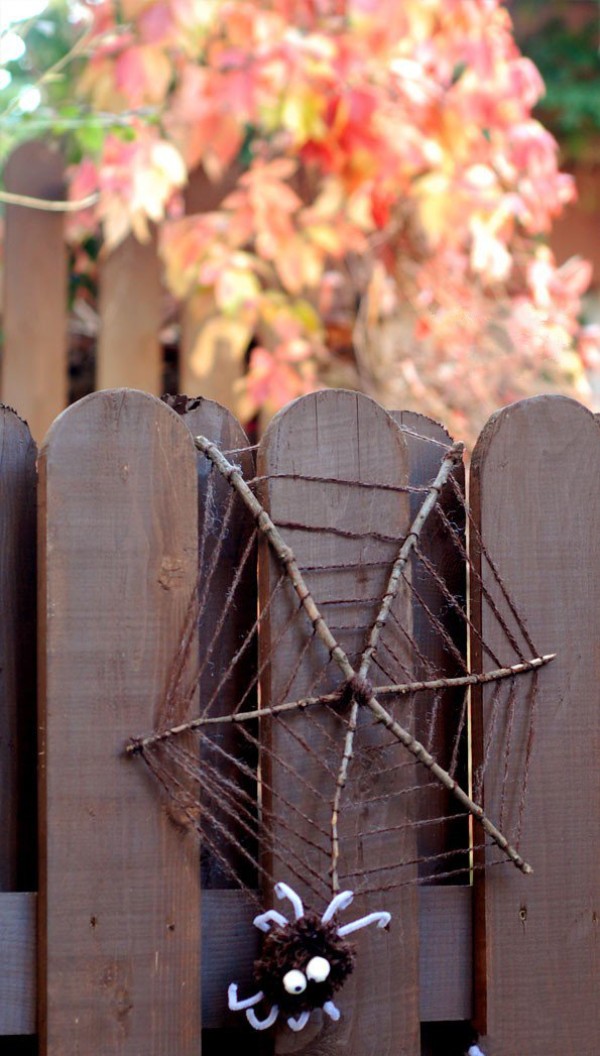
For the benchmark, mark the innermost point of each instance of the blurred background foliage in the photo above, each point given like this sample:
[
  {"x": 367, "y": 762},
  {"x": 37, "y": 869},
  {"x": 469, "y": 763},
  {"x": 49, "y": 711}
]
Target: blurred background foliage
[
  {"x": 450, "y": 312},
  {"x": 562, "y": 37}
]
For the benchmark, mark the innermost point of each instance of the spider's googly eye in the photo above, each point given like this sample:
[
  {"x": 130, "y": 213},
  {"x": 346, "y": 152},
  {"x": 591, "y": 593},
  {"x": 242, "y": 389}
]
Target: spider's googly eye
[
  {"x": 317, "y": 969},
  {"x": 294, "y": 982}
]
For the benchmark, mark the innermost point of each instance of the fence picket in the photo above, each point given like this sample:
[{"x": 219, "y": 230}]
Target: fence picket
[
  {"x": 346, "y": 436},
  {"x": 129, "y": 351},
  {"x": 121, "y": 488},
  {"x": 535, "y": 498},
  {"x": 34, "y": 362},
  {"x": 119, "y": 889},
  {"x": 17, "y": 655}
]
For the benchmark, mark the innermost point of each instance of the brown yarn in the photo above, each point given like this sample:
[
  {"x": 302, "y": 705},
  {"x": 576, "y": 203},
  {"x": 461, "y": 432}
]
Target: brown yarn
[
  {"x": 213, "y": 780},
  {"x": 293, "y": 946}
]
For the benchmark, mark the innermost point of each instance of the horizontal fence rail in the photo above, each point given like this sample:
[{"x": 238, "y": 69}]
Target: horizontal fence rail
[{"x": 230, "y": 946}]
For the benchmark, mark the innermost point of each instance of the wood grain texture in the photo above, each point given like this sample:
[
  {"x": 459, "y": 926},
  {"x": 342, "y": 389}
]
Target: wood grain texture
[
  {"x": 426, "y": 441},
  {"x": 17, "y": 963},
  {"x": 34, "y": 360},
  {"x": 18, "y": 822},
  {"x": 230, "y": 945},
  {"x": 129, "y": 351},
  {"x": 534, "y": 490},
  {"x": 226, "y": 617},
  {"x": 119, "y": 888},
  {"x": 446, "y": 937},
  {"x": 340, "y": 436}
]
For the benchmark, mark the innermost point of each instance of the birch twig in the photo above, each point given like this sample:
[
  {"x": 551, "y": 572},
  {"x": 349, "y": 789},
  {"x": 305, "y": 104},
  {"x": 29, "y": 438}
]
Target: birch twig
[
  {"x": 451, "y": 458},
  {"x": 397, "y": 689},
  {"x": 421, "y": 753},
  {"x": 287, "y": 558}
]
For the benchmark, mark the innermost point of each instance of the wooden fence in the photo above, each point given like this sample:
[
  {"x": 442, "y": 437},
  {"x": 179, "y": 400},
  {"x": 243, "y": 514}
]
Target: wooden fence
[
  {"x": 131, "y": 333},
  {"x": 112, "y": 953}
]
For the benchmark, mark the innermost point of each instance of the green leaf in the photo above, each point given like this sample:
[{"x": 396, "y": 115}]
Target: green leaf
[{"x": 90, "y": 138}]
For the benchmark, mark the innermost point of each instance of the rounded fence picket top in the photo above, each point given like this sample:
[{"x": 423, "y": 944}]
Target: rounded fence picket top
[
  {"x": 536, "y": 504},
  {"x": 119, "y": 882},
  {"x": 319, "y": 456},
  {"x": 271, "y": 731}
]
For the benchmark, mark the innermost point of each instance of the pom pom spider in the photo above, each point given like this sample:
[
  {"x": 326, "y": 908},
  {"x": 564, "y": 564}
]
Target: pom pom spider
[{"x": 303, "y": 962}]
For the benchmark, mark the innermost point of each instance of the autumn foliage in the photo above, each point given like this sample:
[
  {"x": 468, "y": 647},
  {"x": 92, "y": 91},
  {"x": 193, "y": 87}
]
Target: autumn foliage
[{"x": 389, "y": 176}]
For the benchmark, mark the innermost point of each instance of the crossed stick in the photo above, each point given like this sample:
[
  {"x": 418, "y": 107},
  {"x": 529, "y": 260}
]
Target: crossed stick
[{"x": 356, "y": 687}]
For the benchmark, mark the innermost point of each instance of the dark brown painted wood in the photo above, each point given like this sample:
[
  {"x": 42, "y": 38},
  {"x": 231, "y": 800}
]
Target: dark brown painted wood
[
  {"x": 34, "y": 360},
  {"x": 18, "y": 822},
  {"x": 219, "y": 639},
  {"x": 427, "y": 441},
  {"x": 129, "y": 351},
  {"x": 17, "y": 963},
  {"x": 119, "y": 889},
  {"x": 230, "y": 945},
  {"x": 535, "y": 493},
  {"x": 346, "y": 436},
  {"x": 446, "y": 936}
]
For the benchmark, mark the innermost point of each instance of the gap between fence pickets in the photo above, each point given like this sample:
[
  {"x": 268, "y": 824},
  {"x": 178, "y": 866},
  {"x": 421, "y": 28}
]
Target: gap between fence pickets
[{"x": 356, "y": 687}]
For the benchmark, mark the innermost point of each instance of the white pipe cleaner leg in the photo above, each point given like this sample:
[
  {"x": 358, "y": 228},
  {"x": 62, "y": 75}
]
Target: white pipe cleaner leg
[
  {"x": 264, "y": 920},
  {"x": 332, "y": 1010},
  {"x": 284, "y": 891},
  {"x": 240, "y": 1006},
  {"x": 262, "y": 1024},
  {"x": 341, "y": 901},
  {"x": 299, "y": 1022},
  {"x": 380, "y": 919},
  {"x": 283, "y": 943}
]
